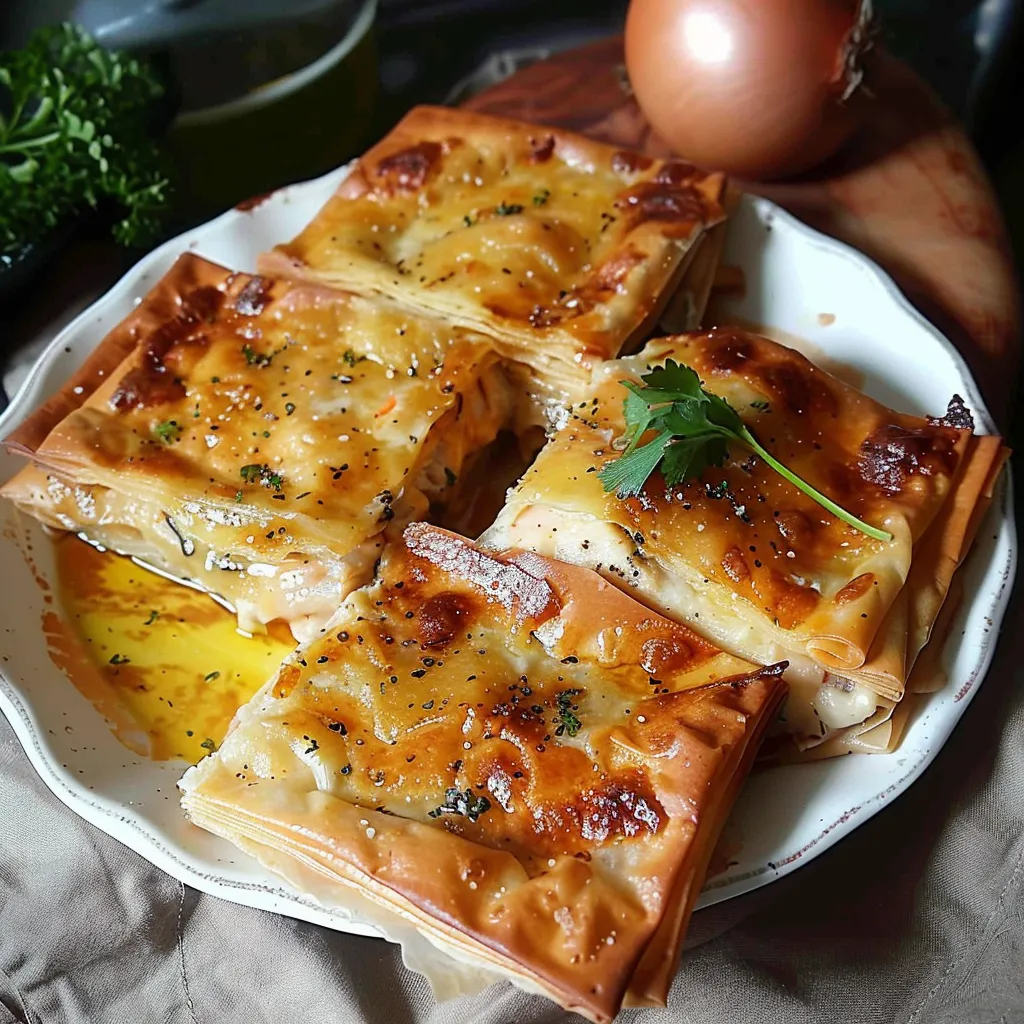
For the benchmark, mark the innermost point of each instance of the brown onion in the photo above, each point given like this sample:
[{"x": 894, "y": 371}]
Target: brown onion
[{"x": 757, "y": 88}]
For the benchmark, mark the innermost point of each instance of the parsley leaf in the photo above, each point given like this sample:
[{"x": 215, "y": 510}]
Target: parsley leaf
[
  {"x": 628, "y": 474},
  {"x": 687, "y": 457},
  {"x": 693, "y": 429},
  {"x": 504, "y": 209}
]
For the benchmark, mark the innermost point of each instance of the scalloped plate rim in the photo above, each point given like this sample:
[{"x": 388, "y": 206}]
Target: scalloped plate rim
[{"x": 116, "y": 820}]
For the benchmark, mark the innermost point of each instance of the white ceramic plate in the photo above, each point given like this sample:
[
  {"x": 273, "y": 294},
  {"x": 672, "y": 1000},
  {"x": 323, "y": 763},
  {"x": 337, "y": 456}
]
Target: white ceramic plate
[{"x": 846, "y": 311}]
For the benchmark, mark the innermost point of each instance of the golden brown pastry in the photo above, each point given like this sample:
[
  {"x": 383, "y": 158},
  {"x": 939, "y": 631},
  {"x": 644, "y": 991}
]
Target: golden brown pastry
[
  {"x": 257, "y": 437},
  {"x": 748, "y": 560},
  {"x": 562, "y": 248},
  {"x": 505, "y": 754}
]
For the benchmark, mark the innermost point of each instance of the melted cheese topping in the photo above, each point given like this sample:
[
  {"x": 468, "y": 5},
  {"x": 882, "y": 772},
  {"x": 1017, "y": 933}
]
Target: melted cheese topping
[
  {"x": 521, "y": 231},
  {"x": 270, "y": 432},
  {"x": 465, "y": 678},
  {"x": 757, "y": 565},
  {"x": 469, "y": 712}
]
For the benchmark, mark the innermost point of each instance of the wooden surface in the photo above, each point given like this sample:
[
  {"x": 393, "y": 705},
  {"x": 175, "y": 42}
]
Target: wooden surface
[{"x": 909, "y": 191}]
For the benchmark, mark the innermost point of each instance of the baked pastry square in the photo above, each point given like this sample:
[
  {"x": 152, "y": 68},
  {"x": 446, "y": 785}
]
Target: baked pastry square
[
  {"x": 258, "y": 437},
  {"x": 748, "y": 560},
  {"x": 505, "y": 754},
  {"x": 562, "y": 248}
]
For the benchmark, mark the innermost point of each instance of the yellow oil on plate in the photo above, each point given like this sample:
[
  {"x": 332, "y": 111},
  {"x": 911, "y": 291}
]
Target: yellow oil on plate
[{"x": 166, "y": 664}]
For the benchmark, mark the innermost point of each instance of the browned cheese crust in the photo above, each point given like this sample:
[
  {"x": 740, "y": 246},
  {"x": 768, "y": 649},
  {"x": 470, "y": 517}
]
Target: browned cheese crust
[
  {"x": 233, "y": 421},
  {"x": 507, "y": 752},
  {"x": 563, "y": 248}
]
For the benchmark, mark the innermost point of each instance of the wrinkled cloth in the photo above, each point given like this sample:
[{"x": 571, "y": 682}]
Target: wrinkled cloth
[{"x": 916, "y": 918}]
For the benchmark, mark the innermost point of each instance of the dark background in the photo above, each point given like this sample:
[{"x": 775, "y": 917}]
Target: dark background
[
  {"x": 428, "y": 45},
  {"x": 969, "y": 51}
]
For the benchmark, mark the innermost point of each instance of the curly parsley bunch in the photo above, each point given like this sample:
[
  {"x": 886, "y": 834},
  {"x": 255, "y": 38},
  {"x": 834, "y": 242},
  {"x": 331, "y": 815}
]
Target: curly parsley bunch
[{"x": 75, "y": 123}]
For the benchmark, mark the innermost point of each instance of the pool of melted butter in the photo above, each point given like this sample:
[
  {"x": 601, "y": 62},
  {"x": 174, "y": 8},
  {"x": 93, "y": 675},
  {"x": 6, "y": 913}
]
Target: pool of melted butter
[{"x": 165, "y": 664}]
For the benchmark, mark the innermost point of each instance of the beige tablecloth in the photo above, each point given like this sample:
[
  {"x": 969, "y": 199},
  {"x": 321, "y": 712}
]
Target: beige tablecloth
[{"x": 916, "y": 918}]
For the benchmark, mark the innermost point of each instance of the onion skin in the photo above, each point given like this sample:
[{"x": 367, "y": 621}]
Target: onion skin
[{"x": 760, "y": 89}]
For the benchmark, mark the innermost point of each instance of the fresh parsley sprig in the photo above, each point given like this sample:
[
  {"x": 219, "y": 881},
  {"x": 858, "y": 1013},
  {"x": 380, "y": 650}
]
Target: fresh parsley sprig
[
  {"x": 75, "y": 133},
  {"x": 693, "y": 429}
]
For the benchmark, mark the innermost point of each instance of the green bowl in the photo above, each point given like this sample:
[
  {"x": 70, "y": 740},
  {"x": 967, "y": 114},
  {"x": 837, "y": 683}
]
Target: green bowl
[{"x": 290, "y": 129}]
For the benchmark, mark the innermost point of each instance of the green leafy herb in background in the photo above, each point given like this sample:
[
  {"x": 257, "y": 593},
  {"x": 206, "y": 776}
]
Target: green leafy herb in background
[
  {"x": 693, "y": 429},
  {"x": 75, "y": 127}
]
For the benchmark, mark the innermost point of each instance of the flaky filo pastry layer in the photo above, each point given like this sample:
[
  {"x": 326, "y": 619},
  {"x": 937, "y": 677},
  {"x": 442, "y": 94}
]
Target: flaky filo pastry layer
[
  {"x": 747, "y": 559},
  {"x": 563, "y": 249},
  {"x": 259, "y": 437},
  {"x": 506, "y": 753}
]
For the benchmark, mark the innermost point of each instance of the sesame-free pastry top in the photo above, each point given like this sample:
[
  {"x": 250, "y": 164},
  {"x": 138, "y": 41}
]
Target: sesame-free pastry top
[
  {"x": 743, "y": 556},
  {"x": 562, "y": 248},
  {"x": 503, "y": 756},
  {"x": 259, "y": 437}
]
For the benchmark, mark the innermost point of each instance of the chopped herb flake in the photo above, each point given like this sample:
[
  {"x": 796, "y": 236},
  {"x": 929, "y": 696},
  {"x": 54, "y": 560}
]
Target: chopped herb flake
[
  {"x": 568, "y": 722},
  {"x": 153, "y": 616},
  {"x": 468, "y": 804},
  {"x": 254, "y": 358},
  {"x": 119, "y": 659},
  {"x": 261, "y": 474},
  {"x": 208, "y": 744},
  {"x": 541, "y": 198},
  {"x": 504, "y": 209},
  {"x": 168, "y": 431},
  {"x": 210, "y": 676}
]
